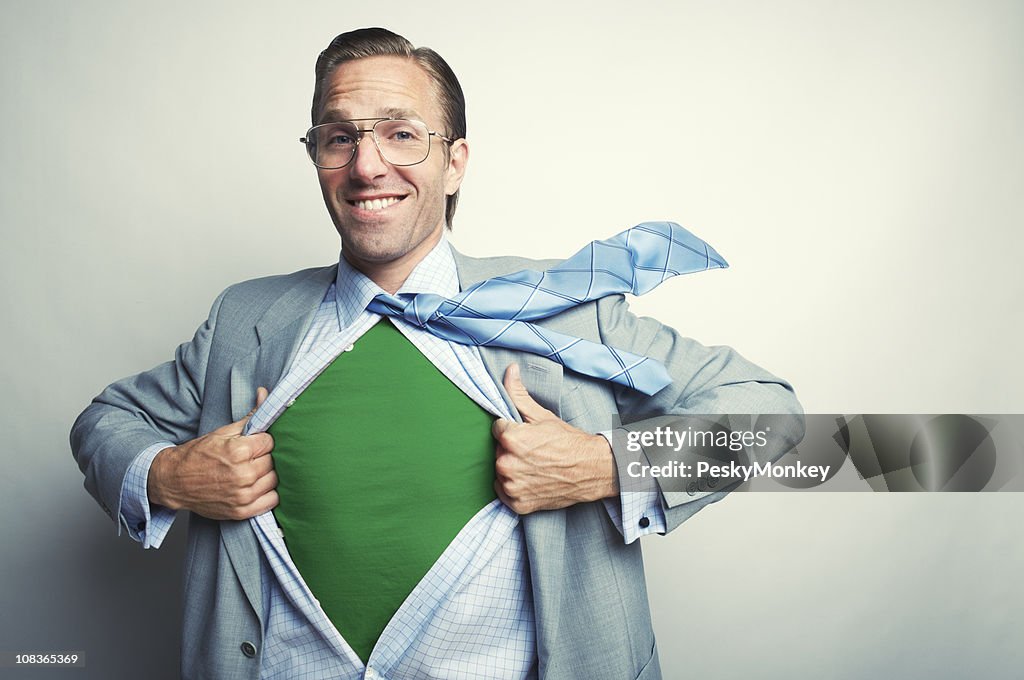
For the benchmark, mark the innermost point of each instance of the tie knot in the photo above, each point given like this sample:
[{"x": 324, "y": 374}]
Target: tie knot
[{"x": 418, "y": 309}]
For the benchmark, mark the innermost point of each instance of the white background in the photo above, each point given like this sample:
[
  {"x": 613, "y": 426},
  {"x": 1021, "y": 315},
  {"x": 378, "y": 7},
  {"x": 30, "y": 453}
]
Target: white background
[{"x": 859, "y": 165}]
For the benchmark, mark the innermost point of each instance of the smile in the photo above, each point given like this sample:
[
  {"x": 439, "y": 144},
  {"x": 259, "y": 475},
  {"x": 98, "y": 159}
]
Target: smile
[{"x": 376, "y": 203}]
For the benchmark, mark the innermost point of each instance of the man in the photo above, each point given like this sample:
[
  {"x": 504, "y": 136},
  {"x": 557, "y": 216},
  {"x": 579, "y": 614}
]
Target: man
[{"x": 365, "y": 518}]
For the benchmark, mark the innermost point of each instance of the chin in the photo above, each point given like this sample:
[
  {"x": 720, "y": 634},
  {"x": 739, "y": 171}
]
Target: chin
[{"x": 373, "y": 250}]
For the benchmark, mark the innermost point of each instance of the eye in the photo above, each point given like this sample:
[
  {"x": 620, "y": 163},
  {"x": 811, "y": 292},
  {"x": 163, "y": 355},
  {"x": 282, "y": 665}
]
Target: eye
[
  {"x": 336, "y": 136},
  {"x": 400, "y": 132}
]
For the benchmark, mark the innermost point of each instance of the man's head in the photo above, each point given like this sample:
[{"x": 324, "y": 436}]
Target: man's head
[{"x": 372, "y": 74}]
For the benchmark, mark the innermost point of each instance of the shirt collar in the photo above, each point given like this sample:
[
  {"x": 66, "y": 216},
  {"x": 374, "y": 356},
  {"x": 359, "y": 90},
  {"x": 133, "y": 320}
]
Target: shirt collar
[{"x": 435, "y": 273}]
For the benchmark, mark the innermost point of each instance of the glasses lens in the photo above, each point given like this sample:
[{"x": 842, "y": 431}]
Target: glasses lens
[
  {"x": 332, "y": 145},
  {"x": 402, "y": 142}
]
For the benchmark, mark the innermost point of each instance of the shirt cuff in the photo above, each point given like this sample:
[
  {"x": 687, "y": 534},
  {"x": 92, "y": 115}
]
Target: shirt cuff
[
  {"x": 636, "y": 512},
  {"x": 145, "y": 523}
]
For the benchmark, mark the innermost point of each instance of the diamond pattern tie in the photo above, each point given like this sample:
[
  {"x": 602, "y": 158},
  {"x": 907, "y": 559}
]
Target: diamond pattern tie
[{"x": 497, "y": 312}]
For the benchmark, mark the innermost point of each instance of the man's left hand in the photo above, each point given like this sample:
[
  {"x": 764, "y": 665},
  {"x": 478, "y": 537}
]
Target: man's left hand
[{"x": 543, "y": 463}]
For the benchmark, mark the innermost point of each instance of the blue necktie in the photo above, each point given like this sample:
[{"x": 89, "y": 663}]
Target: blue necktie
[{"x": 496, "y": 312}]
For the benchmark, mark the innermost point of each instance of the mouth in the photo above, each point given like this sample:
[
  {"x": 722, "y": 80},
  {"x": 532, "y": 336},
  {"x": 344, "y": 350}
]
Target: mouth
[{"x": 372, "y": 204}]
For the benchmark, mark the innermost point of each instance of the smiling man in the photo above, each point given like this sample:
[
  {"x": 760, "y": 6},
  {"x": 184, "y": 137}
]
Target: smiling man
[
  {"x": 406, "y": 500},
  {"x": 386, "y": 202}
]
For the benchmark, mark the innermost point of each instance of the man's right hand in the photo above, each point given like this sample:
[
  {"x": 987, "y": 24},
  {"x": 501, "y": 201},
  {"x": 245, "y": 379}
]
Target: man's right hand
[{"x": 221, "y": 475}]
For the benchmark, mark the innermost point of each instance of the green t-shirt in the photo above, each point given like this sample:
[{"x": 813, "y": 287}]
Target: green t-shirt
[{"x": 381, "y": 461}]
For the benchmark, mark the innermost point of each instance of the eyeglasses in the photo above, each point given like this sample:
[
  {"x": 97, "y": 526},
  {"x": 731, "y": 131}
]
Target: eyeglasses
[{"x": 401, "y": 142}]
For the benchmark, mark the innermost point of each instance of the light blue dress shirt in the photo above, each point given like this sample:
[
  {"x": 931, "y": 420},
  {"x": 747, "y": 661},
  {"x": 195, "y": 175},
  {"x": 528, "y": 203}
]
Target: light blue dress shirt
[{"x": 471, "y": 615}]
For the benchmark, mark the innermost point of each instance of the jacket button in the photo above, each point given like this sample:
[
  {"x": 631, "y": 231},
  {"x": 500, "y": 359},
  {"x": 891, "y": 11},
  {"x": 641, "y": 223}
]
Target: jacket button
[{"x": 249, "y": 649}]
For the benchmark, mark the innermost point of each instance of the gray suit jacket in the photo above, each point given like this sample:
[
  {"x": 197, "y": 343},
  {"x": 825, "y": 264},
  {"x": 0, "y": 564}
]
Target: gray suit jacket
[{"x": 589, "y": 594}]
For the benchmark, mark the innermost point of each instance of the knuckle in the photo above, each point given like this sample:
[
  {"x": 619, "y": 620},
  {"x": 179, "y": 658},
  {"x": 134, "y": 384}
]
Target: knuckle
[
  {"x": 502, "y": 428},
  {"x": 238, "y": 450},
  {"x": 239, "y": 477},
  {"x": 511, "y": 488},
  {"x": 241, "y": 496},
  {"x": 242, "y": 449},
  {"x": 514, "y": 431},
  {"x": 236, "y": 513},
  {"x": 258, "y": 468},
  {"x": 502, "y": 488}
]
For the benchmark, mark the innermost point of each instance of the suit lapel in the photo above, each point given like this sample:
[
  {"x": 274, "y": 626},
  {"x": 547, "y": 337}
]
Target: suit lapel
[
  {"x": 279, "y": 333},
  {"x": 544, "y": 531},
  {"x": 542, "y": 377}
]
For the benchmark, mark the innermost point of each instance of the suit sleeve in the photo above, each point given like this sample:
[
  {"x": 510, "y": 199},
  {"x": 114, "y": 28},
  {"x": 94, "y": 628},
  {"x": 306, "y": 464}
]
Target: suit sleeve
[
  {"x": 706, "y": 381},
  {"x": 133, "y": 414}
]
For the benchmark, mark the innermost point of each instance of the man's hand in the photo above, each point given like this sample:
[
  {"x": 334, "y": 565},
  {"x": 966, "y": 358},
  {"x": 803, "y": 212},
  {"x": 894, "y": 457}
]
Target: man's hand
[
  {"x": 221, "y": 475},
  {"x": 544, "y": 463}
]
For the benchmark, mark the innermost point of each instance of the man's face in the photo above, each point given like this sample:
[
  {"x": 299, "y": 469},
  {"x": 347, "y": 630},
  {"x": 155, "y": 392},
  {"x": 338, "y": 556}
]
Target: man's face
[{"x": 388, "y": 217}]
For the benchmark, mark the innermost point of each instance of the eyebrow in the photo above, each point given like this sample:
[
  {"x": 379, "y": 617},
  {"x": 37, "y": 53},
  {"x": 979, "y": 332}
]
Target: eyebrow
[{"x": 339, "y": 115}]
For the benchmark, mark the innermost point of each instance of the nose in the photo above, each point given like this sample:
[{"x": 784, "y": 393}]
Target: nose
[{"x": 368, "y": 163}]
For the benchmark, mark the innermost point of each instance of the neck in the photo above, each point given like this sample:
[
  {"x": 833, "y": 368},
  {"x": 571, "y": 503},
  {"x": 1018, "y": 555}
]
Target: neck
[
  {"x": 389, "y": 278},
  {"x": 391, "y": 274}
]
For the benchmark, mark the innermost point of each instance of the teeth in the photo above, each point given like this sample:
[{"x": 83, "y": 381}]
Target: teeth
[{"x": 376, "y": 204}]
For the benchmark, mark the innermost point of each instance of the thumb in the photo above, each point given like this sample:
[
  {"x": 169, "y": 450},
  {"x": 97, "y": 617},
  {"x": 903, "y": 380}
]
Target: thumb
[
  {"x": 238, "y": 426},
  {"x": 529, "y": 409}
]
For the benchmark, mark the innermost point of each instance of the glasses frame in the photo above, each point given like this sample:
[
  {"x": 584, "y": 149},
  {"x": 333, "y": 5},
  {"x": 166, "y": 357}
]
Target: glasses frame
[{"x": 376, "y": 142}]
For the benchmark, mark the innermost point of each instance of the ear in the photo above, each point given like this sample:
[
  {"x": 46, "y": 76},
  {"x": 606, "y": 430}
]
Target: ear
[{"x": 458, "y": 157}]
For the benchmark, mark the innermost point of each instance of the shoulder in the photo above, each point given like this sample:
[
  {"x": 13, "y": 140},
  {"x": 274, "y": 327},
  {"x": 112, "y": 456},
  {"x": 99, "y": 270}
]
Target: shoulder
[
  {"x": 474, "y": 269},
  {"x": 273, "y": 286},
  {"x": 247, "y": 301}
]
